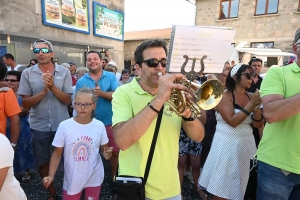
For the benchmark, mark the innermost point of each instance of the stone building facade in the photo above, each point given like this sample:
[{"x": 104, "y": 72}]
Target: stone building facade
[
  {"x": 134, "y": 38},
  {"x": 21, "y": 24},
  {"x": 253, "y": 20}
]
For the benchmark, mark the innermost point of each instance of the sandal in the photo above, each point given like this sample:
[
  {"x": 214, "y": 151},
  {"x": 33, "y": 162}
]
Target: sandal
[
  {"x": 26, "y": 177},
  {"x": 202, "y": 194},
  {"x": 52, "y": 195}
]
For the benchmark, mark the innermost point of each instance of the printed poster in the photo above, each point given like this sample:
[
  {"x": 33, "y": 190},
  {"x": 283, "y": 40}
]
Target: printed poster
[
  {"x": 67, "y": 14},
  {"x": 204, "y": 48},
  {"x": 108, "y": 22}
]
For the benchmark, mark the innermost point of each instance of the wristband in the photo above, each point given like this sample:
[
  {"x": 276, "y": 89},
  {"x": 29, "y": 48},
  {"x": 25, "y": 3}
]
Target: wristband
[
  {"x": 13, "y": 145},
  {"x": 262, "y": 117},
  {"x": 150, "y": 106},
  {"x": 191, "y": 118}
]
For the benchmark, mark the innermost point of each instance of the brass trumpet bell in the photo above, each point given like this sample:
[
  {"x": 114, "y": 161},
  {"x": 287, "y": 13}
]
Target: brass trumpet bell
[{"x": 197, "y": 97}]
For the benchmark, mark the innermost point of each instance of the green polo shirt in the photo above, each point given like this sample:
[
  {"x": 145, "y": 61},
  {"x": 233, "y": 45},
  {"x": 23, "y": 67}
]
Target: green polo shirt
[
  {"x": 280, "y": 144},
  {"x": 163, "y": 180}
]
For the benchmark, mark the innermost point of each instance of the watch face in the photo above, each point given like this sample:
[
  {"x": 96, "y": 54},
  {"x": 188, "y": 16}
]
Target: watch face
[{"x": 193, "y": 116}]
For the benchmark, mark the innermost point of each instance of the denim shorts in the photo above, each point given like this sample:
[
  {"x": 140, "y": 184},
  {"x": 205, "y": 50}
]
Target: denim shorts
[
  {"x": 274, "y": 184},
  {"x": 42, "y": 146}
]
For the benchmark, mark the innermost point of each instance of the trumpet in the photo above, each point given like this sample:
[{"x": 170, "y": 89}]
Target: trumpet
[{"x": 196, "y": 97}]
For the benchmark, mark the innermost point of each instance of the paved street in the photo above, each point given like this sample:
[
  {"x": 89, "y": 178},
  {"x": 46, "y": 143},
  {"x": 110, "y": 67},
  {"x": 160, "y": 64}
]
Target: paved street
[{"x": 35, "y": 191}]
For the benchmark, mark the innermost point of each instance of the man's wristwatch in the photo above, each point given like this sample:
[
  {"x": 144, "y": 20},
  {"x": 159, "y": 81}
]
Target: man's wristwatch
[
  {"x": 191, "y": 118},
  {"x": 13, "y": 145}
]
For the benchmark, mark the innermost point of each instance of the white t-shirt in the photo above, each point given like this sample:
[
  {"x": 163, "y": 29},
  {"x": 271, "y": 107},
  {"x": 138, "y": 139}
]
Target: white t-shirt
[
  {"x": 11, "y": 188},
  {"x": 73, "y": 98},
  {"x": 16, "y": 68},
  {"x": 82, "y": 162},
  {"x": 118, "y": 76}
]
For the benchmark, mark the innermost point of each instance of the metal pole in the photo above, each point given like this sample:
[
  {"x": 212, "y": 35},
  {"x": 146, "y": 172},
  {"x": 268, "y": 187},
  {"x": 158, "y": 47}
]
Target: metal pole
[{"x": 195, "y": 4}]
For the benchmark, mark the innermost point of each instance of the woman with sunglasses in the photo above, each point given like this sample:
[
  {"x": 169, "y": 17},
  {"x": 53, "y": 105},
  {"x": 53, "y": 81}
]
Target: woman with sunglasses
[
  {"x": 24, "y": 159},
  {"x": 226, "y": 171},
  {"x": 32, "y": 62}
]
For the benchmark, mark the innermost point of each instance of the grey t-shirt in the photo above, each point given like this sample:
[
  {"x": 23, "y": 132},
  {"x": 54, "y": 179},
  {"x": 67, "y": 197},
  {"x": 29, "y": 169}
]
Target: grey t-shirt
[{"x": 49, "y": 112}]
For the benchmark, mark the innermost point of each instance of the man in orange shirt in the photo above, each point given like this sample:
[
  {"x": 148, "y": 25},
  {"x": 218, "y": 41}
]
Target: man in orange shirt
[{"x": 9, "y": 107}]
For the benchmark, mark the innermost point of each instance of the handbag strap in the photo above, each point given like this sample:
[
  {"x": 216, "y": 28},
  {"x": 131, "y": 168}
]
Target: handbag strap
[{"x": 152, "y": 148}]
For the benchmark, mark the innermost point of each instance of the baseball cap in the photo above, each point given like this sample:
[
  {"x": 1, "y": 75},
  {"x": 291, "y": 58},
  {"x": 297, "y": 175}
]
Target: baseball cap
[
  {"x": 71, "y": 63},
  {"x": 112, "y": 63}
]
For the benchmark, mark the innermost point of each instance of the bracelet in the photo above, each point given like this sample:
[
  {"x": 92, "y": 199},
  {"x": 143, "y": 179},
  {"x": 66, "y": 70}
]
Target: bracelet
[
  {"x": 13, "y": 144},
  {"x": 262, "y": 117},
  {"x": 245, "y": 111},
  {"x": 150, "y": 106}
]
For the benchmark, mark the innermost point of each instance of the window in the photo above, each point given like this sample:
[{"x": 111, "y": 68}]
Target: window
[
  {"x": 262, "y": 45},
  {"x": 229, "y": 9},
  {"x": 264, "y": 7}
]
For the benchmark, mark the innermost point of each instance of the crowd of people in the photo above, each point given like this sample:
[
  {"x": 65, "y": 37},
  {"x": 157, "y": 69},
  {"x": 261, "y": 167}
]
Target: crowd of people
[{"x": 247, "y": 147}]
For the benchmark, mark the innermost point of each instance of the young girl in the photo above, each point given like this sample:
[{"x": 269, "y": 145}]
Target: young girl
[{"x": 80, "y": 138}]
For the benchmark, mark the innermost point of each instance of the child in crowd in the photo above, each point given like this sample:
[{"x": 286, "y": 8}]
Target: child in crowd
[{"x": 80, "y": 138}]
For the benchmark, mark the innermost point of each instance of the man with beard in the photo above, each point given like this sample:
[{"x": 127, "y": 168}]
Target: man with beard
[
  {"x": 256, "y": 64},
  {"x": 46, "y": 89},
  {"x": 104, "y": 84}
]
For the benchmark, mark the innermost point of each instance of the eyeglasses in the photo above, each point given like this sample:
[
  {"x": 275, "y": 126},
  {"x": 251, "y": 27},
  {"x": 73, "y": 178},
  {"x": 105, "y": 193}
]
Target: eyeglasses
[
  {"x": 11, "y": 80},
  {"x": 44, "y": 50},
  {"x": 86, "y": 104},
  {"x": 32, "y": 63},
  {"x": 154, "y": 62},
  {"x": 133, "y": 69},
  {"x": 248, "y": 75}
]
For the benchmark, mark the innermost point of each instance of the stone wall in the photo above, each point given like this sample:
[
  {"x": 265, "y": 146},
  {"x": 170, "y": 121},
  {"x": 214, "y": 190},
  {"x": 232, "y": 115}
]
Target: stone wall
[
  {"x": 130, "y": 47},
  {"x": 278, "y": 28},
  {"x": 25, "y": 16}
]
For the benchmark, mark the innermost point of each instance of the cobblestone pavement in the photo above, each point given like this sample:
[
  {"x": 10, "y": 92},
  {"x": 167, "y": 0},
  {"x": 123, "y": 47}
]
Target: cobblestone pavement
[{"x": 35, "y": 191}]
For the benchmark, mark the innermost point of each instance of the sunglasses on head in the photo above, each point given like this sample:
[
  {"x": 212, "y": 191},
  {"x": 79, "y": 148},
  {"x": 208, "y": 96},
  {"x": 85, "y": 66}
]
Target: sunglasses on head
[
  {"x": 154, "y": 62},
  {"x": 248, "y": 75},
  {"x": 256, "y": 59},
  {"x": 10, "y": 80},
  {"x": 44, "y": 50}
]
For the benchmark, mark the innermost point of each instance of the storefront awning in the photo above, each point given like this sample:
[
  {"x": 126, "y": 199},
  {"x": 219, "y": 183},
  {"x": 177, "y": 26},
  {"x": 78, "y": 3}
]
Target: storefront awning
[
  {"x": 23, "y": 37},
  {"x": 265, "y": 52}
]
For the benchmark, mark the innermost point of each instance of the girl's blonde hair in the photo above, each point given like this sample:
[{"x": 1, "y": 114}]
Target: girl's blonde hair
[{"x": 86, "y": 90}]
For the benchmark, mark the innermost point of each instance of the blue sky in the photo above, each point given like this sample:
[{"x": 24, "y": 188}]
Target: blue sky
[{"x": 157, "y": 14}]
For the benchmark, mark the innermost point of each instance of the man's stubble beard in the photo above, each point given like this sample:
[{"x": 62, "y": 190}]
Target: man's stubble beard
[{"x": 95, "y": 71}]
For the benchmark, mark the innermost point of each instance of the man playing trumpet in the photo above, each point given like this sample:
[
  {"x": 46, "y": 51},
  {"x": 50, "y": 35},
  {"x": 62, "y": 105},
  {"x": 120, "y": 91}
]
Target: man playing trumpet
[{"x": 135, "y": 109}]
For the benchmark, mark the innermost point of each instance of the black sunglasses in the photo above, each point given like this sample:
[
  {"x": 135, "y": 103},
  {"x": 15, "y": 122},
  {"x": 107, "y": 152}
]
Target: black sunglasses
[
  {"x": 44, "y": 50},
  {"x": 154, "y": 62},
  {"x": 10, "y": 80},
  {"x": 248, "y": 75},
  {"x": 32, "y": 63},
  {"x": 133, "y": 69}
]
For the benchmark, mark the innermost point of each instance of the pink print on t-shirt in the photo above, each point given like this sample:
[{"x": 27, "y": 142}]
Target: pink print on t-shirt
[{"x": 82, "y": 149}]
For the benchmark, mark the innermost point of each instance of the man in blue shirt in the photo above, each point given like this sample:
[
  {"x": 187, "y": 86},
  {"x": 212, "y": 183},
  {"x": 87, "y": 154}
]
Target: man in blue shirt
[{"x": 104, "y": 84}]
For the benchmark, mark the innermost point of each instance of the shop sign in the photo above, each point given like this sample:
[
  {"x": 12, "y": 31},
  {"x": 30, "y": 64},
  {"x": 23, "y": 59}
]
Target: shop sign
[
  {"x": 71, "y": 15},
  {"x": 108, "y": 22}
]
